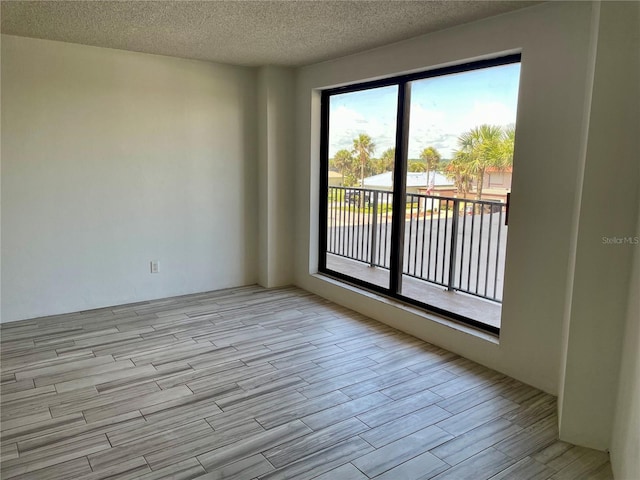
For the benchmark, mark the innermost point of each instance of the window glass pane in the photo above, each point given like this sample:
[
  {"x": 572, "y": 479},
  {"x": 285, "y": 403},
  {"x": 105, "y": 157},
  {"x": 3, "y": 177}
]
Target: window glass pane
[
  {"x": 362, "y": 134},
  {"x": 459, "y": 168}
]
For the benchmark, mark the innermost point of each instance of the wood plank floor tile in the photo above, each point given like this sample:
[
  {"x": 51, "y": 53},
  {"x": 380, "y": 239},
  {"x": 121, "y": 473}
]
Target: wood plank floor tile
[
  {"x": 15, "y": 386},
  {"x": 103, "y": 378},
  {"x": 298, "y": 448},
  {"x": 321, "y": 462},
  {"x": 583, "y": 466},
  {"x": 143, "y": 347},
  {"x": 532, "y": 410},
  {"x": 78, "y": 468},
  {"x": 257, "y": 443},
  {"x": 69, "y": 364},
  {"x": 474, "y": 441},
  {"x": 162, "y": 440},
  {"x": 418, "y": 384},
  {"x": 604, "y": 472},
  {"x": 555, "y": 455},
  {"x": 45, "y": 427},
  {"x": 21, "y": 422},
  {"x": 395, "y": 453},
  {"x": 93, "y": 401},
  {"x": 80, "y": 373},
  {"x": 143, "y": 374},
  {"x": 185, "y": 470},
  {"x": 235, "y": 435},
  {"x": 469, "y": 419},
  {"x": 27, "y": 394},
  {"x": 49, "y": 439},
  {"x": 129, "y": 405},
  {"x": 338, "y": 382},
  {"x": 193, "y": 374},
  {"x": 38, "y": 459},
  {"x": 470, "y": 398},
  {"x": 531, "y": 439},
  {"x": 394, "y": 410},
  {"x": 277, "y": 400},
  {"x": 379, "y": 382},
  {"x": 525, "y": 469},
  {"x": 129, "y": 470},
  {"x": 239, "y": 400},
  {"x": 403, "y": 426},
  {"x": 245, "y": 469},
  {"x": 8, "y": 451},
  {"x": 345, "y": 410},
  {"x": 325, "y": 372},
  {"x": 424, "y": 466},
  {"x": 253, "y": 383},
  {"x": 482, "y": 465},
  {"x": 279, "y": 414},
  {"x": 344, "y": 472}
]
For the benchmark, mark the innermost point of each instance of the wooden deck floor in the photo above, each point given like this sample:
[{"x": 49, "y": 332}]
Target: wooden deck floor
[{"x": 272, "y": 384}]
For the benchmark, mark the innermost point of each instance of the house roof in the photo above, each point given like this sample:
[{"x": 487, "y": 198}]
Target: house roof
[{"x": 414, "y": 179}]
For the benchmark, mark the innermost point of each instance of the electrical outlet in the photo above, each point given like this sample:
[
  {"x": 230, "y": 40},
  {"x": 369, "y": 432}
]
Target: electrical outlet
[{"x": 155, "y": 266}]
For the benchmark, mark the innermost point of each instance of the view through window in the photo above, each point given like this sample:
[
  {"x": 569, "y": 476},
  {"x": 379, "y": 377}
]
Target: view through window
[{"x": 415, "y": 186}]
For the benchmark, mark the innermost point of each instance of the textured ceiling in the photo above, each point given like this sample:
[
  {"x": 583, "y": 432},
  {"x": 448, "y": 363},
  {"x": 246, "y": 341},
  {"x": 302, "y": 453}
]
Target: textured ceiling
[{"x": 251, "y": 33}]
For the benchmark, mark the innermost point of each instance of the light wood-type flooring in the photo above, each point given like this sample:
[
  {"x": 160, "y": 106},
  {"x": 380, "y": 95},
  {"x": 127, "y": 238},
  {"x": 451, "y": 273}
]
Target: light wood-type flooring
[{"x": 251, "y": 383}]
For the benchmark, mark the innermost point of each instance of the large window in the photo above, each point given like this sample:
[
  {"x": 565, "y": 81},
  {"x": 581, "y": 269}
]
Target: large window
[{"x": 415, "y": 181}]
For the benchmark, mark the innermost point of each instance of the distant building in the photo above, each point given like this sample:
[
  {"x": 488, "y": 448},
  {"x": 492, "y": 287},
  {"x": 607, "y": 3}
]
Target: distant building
[
  {"x": 417, "y": 182},
  {"x": 335, "y": 179},
  {"x": 496, "y": 183}
]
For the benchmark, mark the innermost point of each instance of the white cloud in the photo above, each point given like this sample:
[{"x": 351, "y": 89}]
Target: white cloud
[
  {"x": 429, "y": 127},
  {"x": 347, "y": 124},
  {"x": 425, "y": 117},
  {"x": 492, "y": 113}
]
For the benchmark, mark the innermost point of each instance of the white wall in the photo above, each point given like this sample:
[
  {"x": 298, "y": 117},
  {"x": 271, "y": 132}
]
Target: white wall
[
  {"x": 111, "y": 159},
  {"x": 625, "y": 442},
  {"x": 275, "y": 175},
  {"x": 554, "y": 41},
  {"x": 608, "y": 209}
]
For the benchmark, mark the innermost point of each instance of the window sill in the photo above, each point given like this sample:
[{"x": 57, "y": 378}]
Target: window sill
[{"x": 418, "y": 312}]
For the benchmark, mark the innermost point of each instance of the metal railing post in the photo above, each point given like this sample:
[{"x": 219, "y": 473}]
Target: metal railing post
[
  {"x": 374, "y": 228},
  {"x": 454, "y": 244}
]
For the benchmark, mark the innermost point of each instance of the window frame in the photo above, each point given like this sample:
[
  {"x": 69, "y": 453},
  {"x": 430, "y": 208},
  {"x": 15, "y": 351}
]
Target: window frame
[{"x": 403, "y": 82}]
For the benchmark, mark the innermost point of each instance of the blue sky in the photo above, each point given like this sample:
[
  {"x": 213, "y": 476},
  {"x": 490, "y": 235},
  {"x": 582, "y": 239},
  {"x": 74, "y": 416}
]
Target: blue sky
[{"x": 441, "y": 109}]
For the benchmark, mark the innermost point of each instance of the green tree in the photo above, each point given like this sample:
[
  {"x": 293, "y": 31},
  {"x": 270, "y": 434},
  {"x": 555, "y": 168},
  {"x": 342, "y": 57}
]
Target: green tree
[
  {"x": 507, "y": 145},
  {"x": 343, "y": 162},
  {"x": 363, "y": 149},
  {"x": 483, "y": 147},
  {"x": 387, "y": 160},
  {"x": 416, "y": 166},
  {"x": 431, "y": 158},
  {"x": 458, "y": 170}
]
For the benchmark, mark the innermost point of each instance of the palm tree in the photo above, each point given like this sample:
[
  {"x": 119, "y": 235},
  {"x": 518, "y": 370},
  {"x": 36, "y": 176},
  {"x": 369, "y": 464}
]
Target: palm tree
[
  {"x": 508, "y": 142},
  {"x": 416, "y": 166},
  {"x": 431, "y": 158},
  {"x": 480, "y": 148},
  {"x": 458, "y": 170},
  {"x": 363, "y": 149},
  {"x": 387, "y": 160},
  {"x": 342, "y": 161}
]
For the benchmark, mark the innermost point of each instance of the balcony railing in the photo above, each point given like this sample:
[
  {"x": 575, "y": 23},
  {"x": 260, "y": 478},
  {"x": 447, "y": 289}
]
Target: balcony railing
[{"x": 452, "y": 242}]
